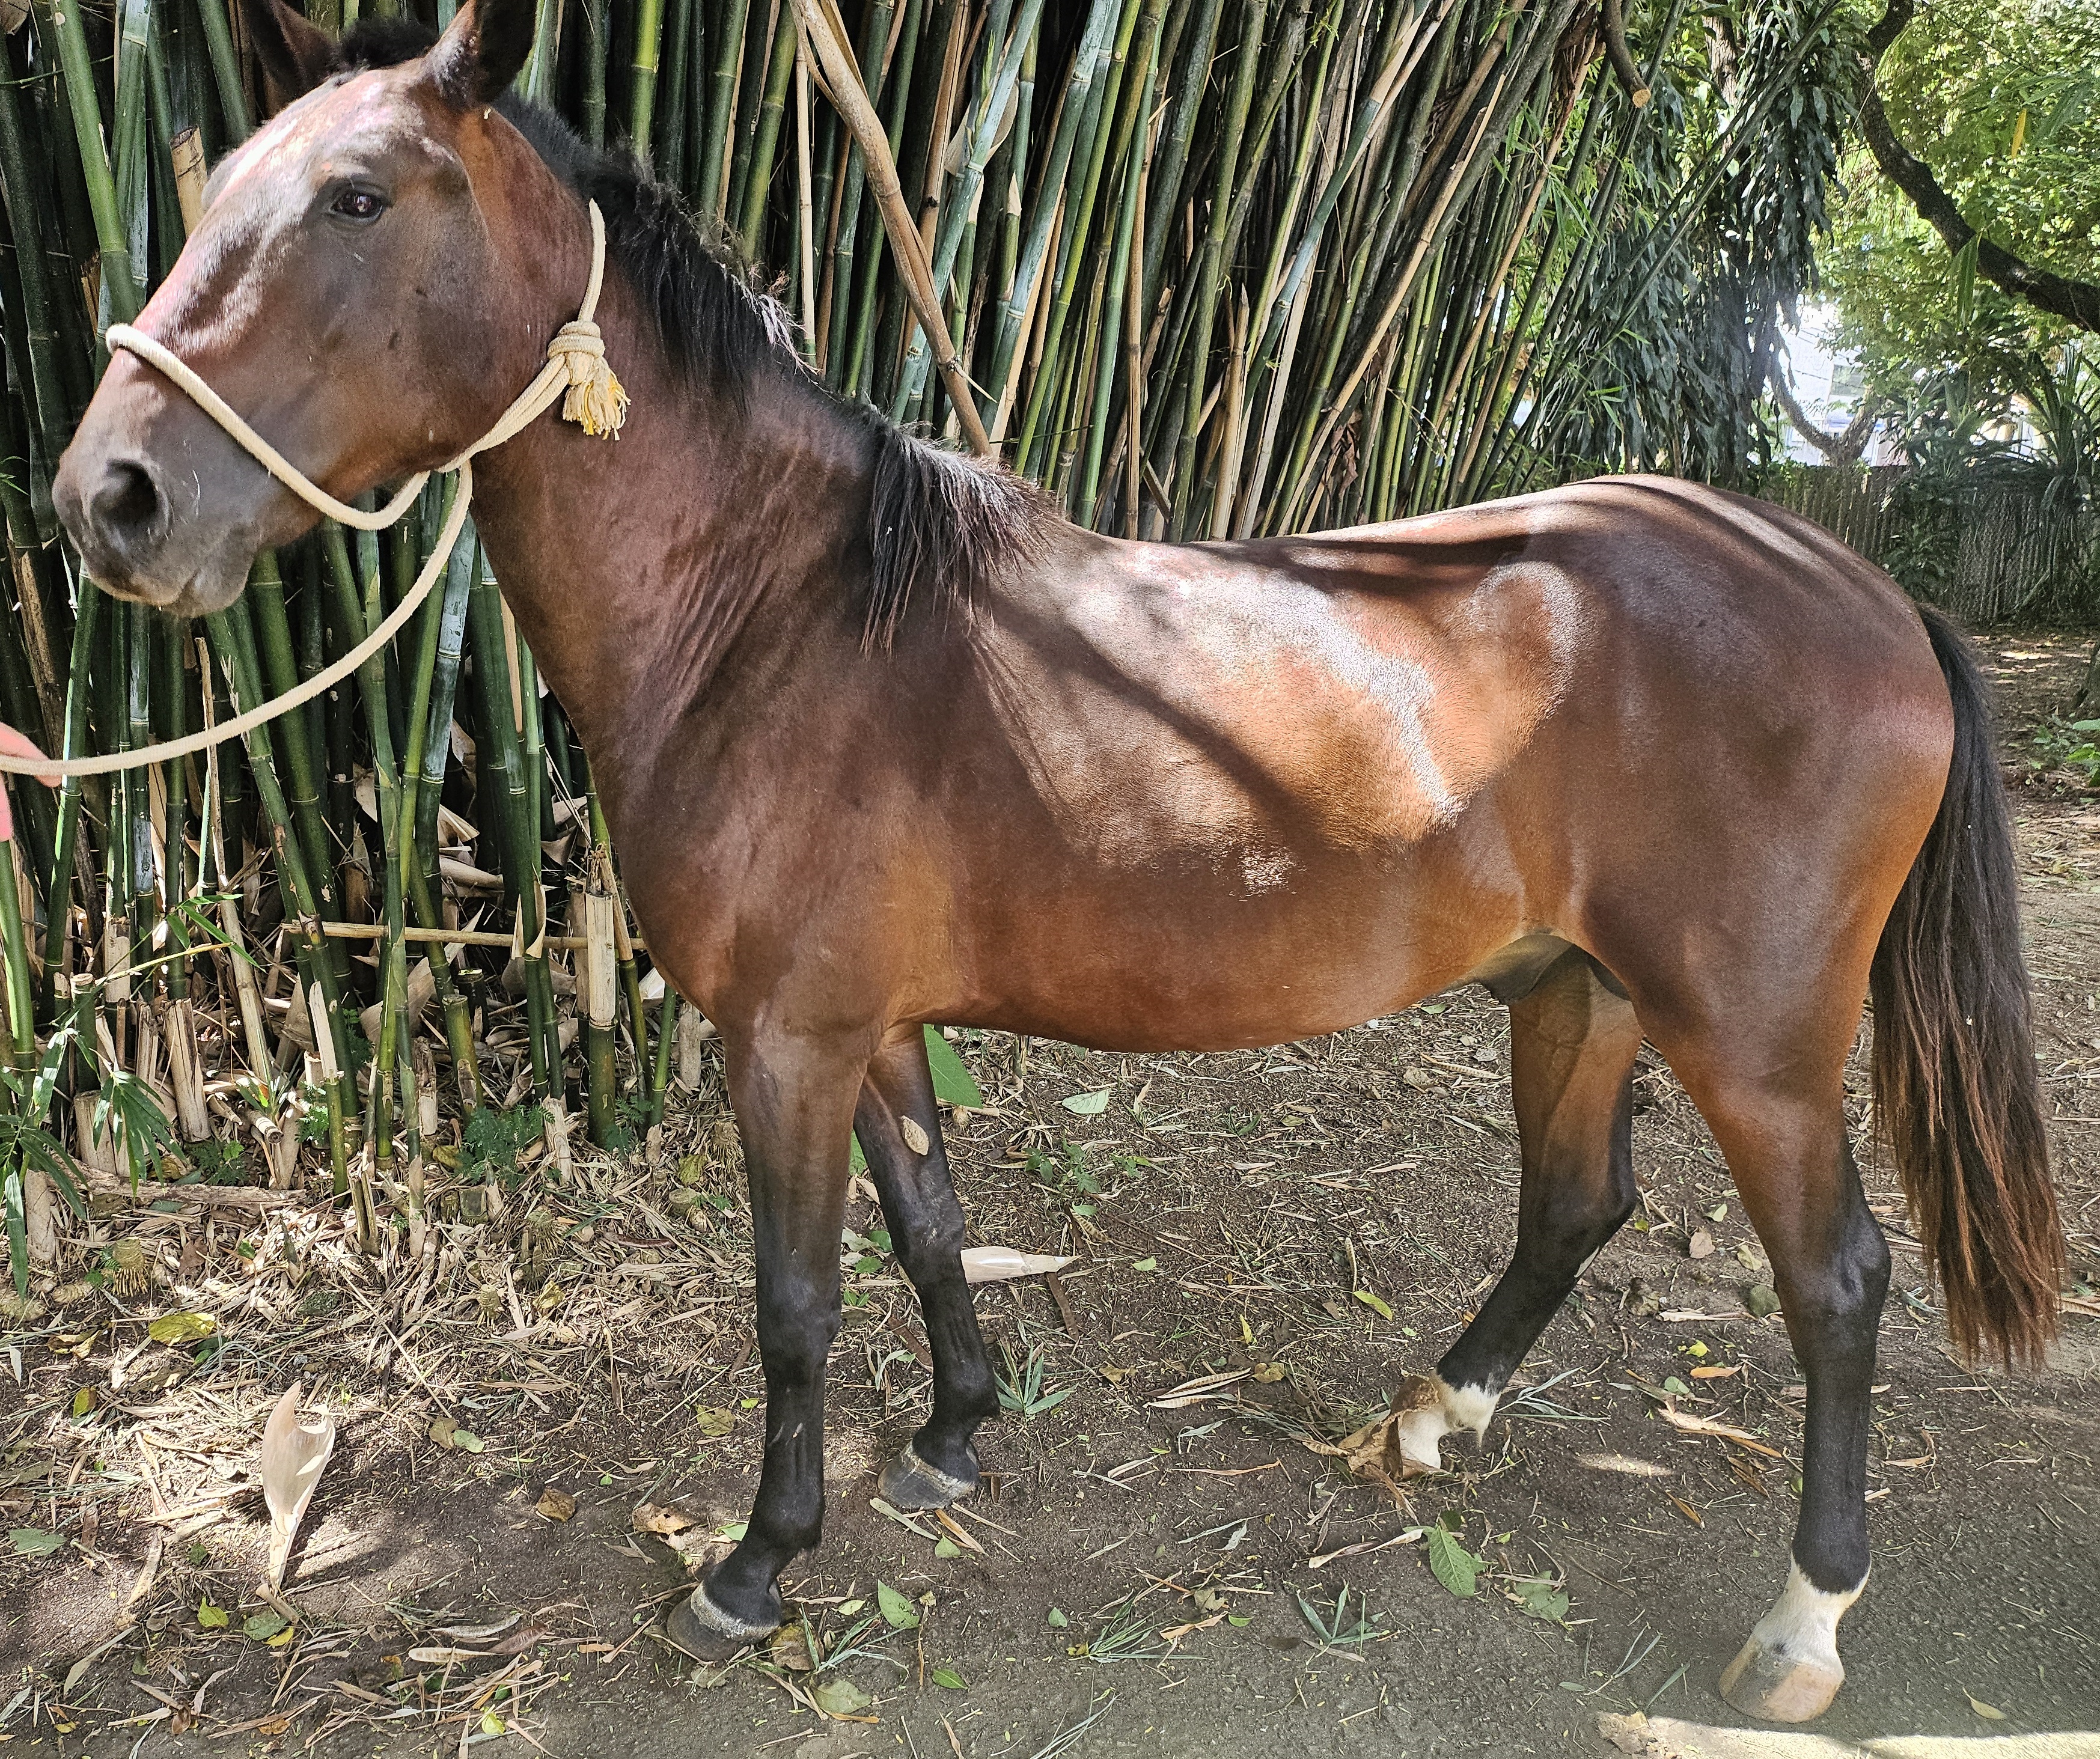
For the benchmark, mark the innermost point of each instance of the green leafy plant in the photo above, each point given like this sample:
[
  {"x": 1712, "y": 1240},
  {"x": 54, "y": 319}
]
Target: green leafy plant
[
  {"x": 1126, "y": 1637},
  {"x": 1063, "y": 1172},
  {"x": 219, "y": 1163},
  {"x": 1020, "y": 1388},
  {"x": 2060, "y": 744},
  {"x": 122, "y": 1102},
  {"x": 493, "y": 1142},
  {"x": 1338, "y": 1625}
]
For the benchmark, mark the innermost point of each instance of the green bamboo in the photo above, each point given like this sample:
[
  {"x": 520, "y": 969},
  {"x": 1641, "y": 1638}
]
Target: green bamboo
[
  {"x": 54, "y": 414},
  {"x": 265, "y": 595},
  {"x": 841, "y": 275},
  {"x": 959, "y": 208},
  {"x": 1209, "y": 268},
  {"x": 1164, "y": 195},
  {"x": 21, "y": 993},
  {"x": 896, "y": 98},
  {"x": 710, "y": 191},
  {"x": 225, "y": 70},
  {"x": 1110, "y": 353},
  {"x": 1043, "y": 216},
  {"x": 595, "y": 50},
  {"x": 765, "y": 142},
  {"x": 641, "y": 94},
  {"x": 424, "y": 728},
  {"x": 59, "y": 888},
  {"x": 669, "y": 158},
  {"x": 519, "y": 842},
  {"x": 110, "y": 234}
]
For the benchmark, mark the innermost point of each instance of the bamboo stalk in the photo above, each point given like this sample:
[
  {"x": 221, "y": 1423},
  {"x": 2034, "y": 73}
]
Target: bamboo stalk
[
  {"x": 712, "y": 190},
  {"x": 1209, "y": 267},
  {"x": 828, "y": 37},
  {"x": 771, "y": 106},
  {"x": 641, "y": 92}
]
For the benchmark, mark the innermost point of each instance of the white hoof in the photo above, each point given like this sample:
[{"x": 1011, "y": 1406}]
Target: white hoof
[
  {"x": 1788, "y": 1671},
  {"x": 1427, "y": 1410}
]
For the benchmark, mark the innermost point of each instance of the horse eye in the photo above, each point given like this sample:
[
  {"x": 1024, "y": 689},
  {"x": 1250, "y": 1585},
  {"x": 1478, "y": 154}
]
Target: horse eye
[{"x": 358, "y": 205}]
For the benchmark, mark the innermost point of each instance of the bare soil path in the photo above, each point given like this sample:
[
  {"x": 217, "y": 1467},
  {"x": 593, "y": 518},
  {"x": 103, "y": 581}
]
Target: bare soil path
[{"x": 1297, "y": 1227}]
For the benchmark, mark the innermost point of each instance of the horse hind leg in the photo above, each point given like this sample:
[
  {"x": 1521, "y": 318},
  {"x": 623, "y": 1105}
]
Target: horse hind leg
[
  {"x": 898, "y": 1122},
  {"x": 1787, "y": 1151},
  {"x": 1572, "y": 1042}
]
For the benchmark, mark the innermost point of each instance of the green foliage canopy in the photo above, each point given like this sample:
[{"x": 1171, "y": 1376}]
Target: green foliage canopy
[{"x": 2002, "y": 98}]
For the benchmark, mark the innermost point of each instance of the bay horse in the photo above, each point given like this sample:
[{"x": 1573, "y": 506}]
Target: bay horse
[{"x": 885, "y": 740}]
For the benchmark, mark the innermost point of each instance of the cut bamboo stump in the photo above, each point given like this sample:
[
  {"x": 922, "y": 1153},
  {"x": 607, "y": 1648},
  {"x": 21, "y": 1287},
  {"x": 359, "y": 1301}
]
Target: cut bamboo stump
[
  {"x": 185, "y": 1077},
  {"x": 39, "y": 1215},
  {"x": 694, "y": 1029}
]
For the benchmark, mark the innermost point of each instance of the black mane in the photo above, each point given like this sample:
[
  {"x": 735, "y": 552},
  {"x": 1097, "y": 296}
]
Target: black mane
[{"x": 939, "y": 524}]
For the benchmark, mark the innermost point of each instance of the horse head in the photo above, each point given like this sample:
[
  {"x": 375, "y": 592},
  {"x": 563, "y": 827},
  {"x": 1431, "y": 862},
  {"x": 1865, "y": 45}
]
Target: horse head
[{"x": 375, "y": 275}]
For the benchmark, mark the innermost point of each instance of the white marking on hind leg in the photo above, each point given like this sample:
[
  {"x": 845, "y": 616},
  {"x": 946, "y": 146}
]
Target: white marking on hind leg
[
  {"x": 1788, "y": 1671},
  {"x": 1431, "y": 1409}
]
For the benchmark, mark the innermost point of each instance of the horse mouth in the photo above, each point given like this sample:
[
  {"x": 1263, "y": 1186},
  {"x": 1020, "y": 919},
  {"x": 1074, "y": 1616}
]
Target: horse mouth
[{"x": 210, "y": 587}]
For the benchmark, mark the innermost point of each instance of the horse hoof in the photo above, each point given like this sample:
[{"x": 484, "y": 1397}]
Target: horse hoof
[
  {"x": 1778, "y": 1687},
  {"x": 909, "y": 1483},
  {"x": 706, "y": 1632}
]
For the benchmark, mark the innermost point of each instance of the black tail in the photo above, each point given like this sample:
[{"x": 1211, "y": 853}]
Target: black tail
[{"x": 1955, "y": 1089}]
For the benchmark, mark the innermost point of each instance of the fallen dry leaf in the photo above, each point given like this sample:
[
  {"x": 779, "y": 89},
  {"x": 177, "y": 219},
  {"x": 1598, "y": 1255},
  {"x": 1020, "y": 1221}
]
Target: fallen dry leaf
[
  {"x": 994, "y": 1264},
  {"x": 294, "y": 1452},
  {"x": 789, "y": 1648},
  {"x": 1629, "y": 1734},
  {"x": 1709, "y": 1425},
  {"x": 1373, "y": 1452},
  {"x": 957, "y": 1532},
  {"x": 660, "y": 1519}
]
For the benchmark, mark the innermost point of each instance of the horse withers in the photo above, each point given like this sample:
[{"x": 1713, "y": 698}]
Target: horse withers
[{"x": 884, "y": 741}]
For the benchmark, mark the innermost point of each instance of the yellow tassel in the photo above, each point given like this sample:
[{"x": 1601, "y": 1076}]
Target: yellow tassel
[{"x": 598, "y": 404}]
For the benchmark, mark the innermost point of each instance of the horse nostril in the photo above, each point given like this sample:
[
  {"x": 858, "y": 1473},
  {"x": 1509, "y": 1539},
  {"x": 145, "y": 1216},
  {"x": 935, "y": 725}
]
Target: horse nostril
[{"x": 127, "y": 505}]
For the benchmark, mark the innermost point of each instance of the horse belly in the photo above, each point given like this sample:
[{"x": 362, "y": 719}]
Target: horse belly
[{"x": 1227, "y": 946}]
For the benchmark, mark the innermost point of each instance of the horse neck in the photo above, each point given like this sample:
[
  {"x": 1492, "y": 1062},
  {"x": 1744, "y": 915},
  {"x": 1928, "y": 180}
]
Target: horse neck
[{"x": 664, "y": 579}]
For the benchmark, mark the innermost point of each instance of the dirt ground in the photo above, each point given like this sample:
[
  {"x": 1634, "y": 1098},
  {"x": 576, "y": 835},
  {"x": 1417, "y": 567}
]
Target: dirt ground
[{"x": 1264, "y": 1243}]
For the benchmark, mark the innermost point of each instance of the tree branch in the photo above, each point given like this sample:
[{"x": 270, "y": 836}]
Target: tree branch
[
  {"x": 1848, "y": 446},
  {"x": 1614, "y": 26},
  {"x": 2076, "y": 302}
]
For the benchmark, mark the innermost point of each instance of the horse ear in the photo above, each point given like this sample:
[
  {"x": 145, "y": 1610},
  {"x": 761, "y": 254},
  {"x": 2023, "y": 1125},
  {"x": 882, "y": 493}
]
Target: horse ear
[
  {"x": 482, "y": 51},
  {"x": 295, "y": 56}
]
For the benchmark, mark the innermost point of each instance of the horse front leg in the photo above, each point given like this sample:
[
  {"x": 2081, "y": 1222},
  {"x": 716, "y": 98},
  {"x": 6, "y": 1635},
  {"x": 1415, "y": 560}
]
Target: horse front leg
[
  {"x": 939, "y": 1465},
  {"x": 794, "y": 1102}
]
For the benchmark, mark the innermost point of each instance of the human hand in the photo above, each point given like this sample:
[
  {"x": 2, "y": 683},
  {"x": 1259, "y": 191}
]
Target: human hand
[{"x": 14, "y": 744}]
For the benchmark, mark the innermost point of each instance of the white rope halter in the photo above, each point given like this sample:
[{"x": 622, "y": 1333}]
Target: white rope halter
[{"x": 594, "y": 400}]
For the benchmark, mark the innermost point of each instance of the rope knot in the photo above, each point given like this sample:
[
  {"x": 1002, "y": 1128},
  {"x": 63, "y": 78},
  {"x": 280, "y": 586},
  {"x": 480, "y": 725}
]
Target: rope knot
[{"x": 596, "y": 400}]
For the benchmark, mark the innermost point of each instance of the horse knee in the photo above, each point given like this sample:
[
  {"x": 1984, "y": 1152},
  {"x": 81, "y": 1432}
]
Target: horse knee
[
  {"x": 930, "y": 1247},
  {"x": 795, "y": 1336},
  {"x": 1573, "y": 1217}
]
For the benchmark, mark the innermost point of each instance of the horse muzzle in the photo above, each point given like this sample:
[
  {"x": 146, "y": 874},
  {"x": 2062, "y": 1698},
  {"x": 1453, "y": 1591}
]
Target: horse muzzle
[{"x": 163, "y": 509}]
